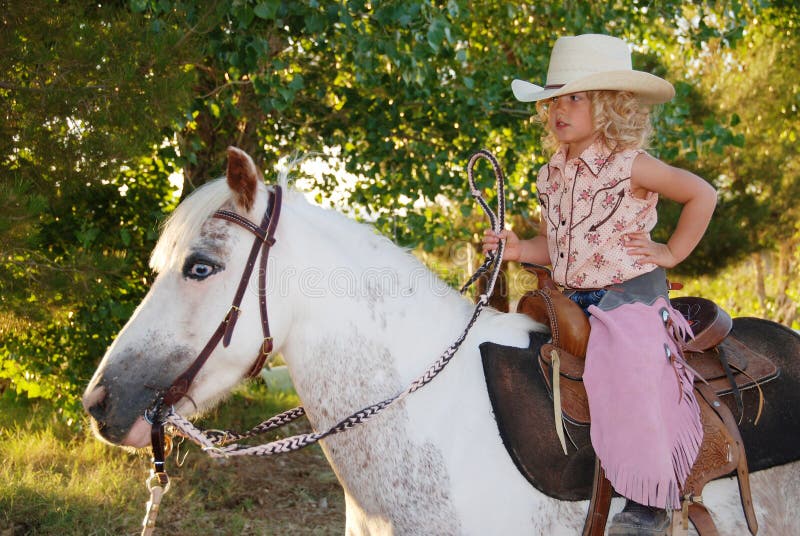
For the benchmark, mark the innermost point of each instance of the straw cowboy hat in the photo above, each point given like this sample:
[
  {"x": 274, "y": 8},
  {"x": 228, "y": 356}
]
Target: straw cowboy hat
[{"x": 594, "y": 61}]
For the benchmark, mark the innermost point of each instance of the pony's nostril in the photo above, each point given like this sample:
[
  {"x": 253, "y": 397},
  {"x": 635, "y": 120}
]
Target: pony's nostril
[{"x": 94, "y": 402}]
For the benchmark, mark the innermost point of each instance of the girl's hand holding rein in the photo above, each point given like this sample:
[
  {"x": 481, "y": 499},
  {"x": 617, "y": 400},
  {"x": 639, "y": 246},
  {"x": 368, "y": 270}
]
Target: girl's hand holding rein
[
  {"x": 491, "y": 241},
  {"x": 531, "y": 250}
]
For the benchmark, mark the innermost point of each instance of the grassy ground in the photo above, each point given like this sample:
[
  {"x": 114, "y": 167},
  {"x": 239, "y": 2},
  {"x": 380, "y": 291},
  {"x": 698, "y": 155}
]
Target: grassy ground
[{"x": 54, "y": 481}]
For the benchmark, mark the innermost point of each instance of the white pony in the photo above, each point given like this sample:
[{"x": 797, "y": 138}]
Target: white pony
[{"x": 356, "y": 319}]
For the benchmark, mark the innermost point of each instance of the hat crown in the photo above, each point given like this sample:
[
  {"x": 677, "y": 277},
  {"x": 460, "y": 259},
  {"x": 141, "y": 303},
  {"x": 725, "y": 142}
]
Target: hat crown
[{"x": 575, "y": 57}]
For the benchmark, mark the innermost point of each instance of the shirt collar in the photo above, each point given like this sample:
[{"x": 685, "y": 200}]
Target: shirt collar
[{"x": 594, "y": 157}]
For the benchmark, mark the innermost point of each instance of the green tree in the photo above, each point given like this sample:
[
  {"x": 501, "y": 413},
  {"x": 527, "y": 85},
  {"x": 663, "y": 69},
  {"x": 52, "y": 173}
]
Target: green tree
[
  {"x": 404, "y": 90},
  {"x": 88, "y": 92},
  {"x": 754, "y": 82}
]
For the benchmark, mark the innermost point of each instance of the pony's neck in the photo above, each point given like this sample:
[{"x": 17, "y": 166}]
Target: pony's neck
[{"x": 367, "y": 316}]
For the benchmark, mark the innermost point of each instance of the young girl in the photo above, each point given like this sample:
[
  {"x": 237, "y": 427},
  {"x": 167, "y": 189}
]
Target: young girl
[{"x": 598, "y": 197}]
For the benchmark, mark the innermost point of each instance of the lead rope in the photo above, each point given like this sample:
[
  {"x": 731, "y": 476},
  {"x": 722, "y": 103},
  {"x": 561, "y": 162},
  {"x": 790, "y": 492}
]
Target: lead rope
[{"x": 218, "y": 443}]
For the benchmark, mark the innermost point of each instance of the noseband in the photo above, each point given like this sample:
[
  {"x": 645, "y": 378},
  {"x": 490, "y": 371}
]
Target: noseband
[{"x": 264, "y": 240}]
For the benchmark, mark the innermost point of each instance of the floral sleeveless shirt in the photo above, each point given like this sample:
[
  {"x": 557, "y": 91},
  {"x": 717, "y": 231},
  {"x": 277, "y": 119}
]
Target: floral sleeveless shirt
[{"x": 589, "y": 209}]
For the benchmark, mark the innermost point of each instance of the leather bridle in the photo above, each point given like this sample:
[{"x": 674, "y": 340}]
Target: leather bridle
[{"x": 264, "y": 240}]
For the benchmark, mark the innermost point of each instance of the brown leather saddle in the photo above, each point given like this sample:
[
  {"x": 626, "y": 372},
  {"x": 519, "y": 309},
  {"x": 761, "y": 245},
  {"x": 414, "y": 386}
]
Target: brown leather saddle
[{"x": 724, "y": 366}]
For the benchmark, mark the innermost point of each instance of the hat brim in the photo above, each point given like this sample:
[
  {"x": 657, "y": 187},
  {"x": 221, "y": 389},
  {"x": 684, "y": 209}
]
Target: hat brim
[{"x": 648, "y": 88}]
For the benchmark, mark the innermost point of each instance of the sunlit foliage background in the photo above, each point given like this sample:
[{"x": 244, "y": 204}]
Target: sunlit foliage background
[{"x": 105, "y": 104}]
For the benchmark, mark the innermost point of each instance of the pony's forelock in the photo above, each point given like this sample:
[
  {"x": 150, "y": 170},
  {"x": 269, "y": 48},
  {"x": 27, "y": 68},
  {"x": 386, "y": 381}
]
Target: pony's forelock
[{"x": 182, "y": 226}]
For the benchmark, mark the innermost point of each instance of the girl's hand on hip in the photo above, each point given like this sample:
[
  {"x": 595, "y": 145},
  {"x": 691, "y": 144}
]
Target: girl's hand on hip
[{"x": 639, "y": 245}]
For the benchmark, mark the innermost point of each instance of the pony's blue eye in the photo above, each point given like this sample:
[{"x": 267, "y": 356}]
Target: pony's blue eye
[
  {"x": 198, "y": 268},
  {"x": 200, "y": 271}
]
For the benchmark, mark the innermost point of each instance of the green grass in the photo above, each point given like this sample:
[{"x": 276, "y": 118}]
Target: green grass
[{"x": 54, "y": 480}]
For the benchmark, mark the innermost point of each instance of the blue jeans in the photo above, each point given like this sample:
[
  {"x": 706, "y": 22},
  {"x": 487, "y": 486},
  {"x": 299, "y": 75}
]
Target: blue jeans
[{"x": 585, "y": 298}]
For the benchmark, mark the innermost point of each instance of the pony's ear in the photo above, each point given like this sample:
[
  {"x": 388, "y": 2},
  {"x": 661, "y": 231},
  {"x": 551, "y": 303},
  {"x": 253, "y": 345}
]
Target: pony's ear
[{"x": 243, "y": 177}]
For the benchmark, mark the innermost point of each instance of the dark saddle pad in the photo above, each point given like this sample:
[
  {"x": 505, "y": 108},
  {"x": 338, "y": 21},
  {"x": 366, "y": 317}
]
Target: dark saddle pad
[{"x": 524, "y": 414}]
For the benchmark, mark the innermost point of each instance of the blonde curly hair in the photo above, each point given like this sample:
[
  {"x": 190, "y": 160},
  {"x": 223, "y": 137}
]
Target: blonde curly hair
[{"x": 619, "y": 119}]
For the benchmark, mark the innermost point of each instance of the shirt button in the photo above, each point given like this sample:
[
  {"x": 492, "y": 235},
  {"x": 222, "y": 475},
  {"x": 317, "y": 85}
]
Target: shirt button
[
  {"x": 561, "y": 254},
  {"x": 563, "y": 222}
]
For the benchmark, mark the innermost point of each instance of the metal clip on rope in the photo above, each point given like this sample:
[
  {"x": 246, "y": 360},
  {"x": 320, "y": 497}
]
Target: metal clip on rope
[{"x": 158, "y": 485}]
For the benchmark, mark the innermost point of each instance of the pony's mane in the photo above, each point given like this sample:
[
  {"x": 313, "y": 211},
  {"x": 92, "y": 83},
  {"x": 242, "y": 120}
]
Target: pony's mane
[{"x": 368, "y": 244}]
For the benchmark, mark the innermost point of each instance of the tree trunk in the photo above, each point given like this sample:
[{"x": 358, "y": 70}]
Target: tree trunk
[
  {"x": 786, "y": 309},
  {"x": 761, "y": 291}
]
